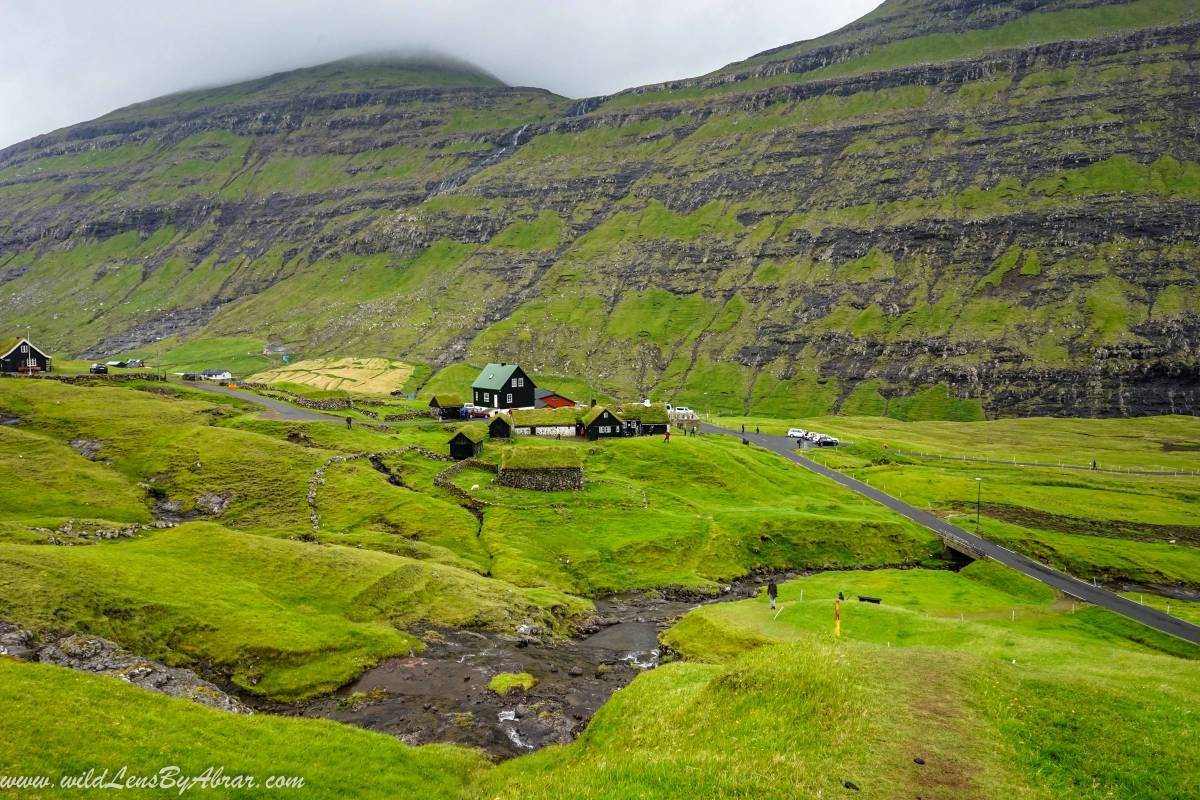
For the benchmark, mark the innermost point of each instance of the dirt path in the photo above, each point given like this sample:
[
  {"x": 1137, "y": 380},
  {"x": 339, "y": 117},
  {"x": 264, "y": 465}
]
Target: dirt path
[{"x": 273, "y": 408}]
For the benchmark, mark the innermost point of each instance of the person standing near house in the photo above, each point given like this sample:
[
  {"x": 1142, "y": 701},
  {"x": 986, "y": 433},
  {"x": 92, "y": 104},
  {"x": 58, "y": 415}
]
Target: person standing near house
[
  {"x": 772, "y": 592},
  {"x": 667, "y": 436}
]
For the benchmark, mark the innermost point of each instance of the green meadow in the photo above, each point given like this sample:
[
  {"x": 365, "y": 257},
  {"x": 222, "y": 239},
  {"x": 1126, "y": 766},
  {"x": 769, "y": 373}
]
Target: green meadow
[
  {"x": 976, "y": 684},
  {"x": 287, "y": 611},
  {"x": 1109, "y": 524},
  {"x": 972, "y": 684}
]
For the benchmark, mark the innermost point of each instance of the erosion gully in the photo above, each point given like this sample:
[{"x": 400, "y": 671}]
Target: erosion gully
[{"x": 441, "y": 694}]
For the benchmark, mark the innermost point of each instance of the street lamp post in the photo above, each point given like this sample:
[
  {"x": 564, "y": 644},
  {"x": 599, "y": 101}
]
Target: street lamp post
[{"x": 978, "y": 500}]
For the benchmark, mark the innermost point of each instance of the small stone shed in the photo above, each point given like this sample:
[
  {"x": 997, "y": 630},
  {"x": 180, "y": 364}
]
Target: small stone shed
[{"x": 545, "y": 469}]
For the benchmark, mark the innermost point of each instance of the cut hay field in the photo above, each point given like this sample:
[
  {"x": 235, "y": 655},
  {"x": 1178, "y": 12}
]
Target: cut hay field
[{"x": 379, "y": 376}]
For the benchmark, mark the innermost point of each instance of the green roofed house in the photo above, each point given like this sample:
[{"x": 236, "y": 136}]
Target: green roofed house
[
  {"x": 467, "y": 441},
  {"x": 644, "y": 419},
  {"x": 20, "y": 355},
  {"x": 503, "y": 386},
  {"x": 599, "y": 423},
  {"x": 553, "y": 422},
  {"x": 446, "y": 405}
]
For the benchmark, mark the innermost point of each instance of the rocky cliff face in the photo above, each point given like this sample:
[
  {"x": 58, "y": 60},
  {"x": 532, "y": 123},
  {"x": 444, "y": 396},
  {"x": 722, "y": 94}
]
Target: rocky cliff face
[{"x": 944, "y": 209}]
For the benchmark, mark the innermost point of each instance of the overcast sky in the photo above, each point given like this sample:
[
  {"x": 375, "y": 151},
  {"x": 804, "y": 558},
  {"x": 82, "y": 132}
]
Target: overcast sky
[{"x": 66, "y": 61}]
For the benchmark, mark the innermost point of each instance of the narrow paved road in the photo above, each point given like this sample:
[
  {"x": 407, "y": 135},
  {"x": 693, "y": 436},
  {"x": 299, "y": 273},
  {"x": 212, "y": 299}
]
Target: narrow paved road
[
  {"x": 275, "y": 409},
  {"x": 1051, "y": 577}
]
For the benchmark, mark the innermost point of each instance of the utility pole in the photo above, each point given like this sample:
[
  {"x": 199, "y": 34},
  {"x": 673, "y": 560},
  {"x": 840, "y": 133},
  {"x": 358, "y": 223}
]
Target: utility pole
[{"x": 978, "y": 501}]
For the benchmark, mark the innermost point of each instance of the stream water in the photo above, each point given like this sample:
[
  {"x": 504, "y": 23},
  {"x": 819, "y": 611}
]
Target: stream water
[{"x": 442, "y": 695}]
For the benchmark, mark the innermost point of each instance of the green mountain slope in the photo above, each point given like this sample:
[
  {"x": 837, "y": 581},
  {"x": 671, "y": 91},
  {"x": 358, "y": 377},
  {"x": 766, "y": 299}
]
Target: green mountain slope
[{"x": 995, "y": 203}]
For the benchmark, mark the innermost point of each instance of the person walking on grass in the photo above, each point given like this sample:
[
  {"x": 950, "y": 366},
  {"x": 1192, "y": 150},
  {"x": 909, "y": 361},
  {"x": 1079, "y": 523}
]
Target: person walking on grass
[
  {"x": 349, "y": 423},
  {"x": 667, "y": 436},
  {"x": 772, "y": 592}
]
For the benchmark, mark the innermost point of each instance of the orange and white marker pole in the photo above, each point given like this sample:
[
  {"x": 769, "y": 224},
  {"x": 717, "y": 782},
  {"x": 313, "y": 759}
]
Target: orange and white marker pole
[{"x": 837, "y": 618}]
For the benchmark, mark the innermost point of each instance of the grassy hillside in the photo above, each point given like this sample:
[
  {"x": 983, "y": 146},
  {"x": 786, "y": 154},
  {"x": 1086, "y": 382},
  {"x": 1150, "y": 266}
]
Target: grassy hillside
[
  {"x": 1111, "y": 527},
  {"x": 146, "y": 732},
  {"x": 288, "y": 610},
  {"x": 934, "y": 213},
  {"x": 989, "y": 706},
  {"x": 939, "y": 692}
]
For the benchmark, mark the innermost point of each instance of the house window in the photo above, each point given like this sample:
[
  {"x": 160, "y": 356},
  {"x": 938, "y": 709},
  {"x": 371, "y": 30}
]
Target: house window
[
  {"x": 24, "y": 348},
  {"x": 509, "y": 399},
  {"x": 514, "y": 383},
  {"x": 487, "y": 397},
  {"x": 605, "y": 429},
  {"x": 519, "y": 383}
]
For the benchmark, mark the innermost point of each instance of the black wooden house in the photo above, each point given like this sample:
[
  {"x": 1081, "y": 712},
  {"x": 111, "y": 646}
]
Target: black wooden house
[
  {"x": 20, "y": 355},
  {"x": 600, "y": 423},
  {"x": 503, "y": 386}
]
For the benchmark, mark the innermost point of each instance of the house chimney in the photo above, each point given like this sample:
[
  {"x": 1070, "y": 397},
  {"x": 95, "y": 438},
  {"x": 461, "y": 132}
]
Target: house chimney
[{"x": 593, "y": 402}]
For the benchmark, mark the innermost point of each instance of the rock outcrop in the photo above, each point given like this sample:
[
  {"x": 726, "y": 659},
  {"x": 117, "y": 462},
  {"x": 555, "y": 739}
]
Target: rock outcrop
[
  {"x": 102, "y": 657},
  {"x": 938, "y": 211}
]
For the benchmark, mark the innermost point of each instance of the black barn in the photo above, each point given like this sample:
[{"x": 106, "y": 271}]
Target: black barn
[
  {"x": 500, "y": 427},
  {"x": 19, "y": 355},
  {"x": 446, "y": 406},
  {"x": 467, "y": 443},
  {"x": 600, "y": 423},
  {"x": 503, "y": 386}
]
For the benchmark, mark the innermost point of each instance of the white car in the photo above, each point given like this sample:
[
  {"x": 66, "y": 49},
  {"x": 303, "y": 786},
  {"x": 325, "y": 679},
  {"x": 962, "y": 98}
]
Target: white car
[
  {"x": 683, "y": 410},
  {"x": 797, "y": 433}
]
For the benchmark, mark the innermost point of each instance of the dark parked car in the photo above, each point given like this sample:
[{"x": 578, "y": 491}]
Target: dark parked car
[
  {"x": 192, "y": 376},
  {"x": 99, "y": 369}
]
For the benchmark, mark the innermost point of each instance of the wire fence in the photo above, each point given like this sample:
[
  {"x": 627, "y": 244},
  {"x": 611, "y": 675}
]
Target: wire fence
[{"x": 1043, "y": 465}]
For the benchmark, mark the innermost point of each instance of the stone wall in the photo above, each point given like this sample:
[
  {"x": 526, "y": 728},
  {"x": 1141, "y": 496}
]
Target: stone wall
[
  {"x": 89, "y": 379},
  {"x": 318, "y": 476},
  {"x": 565, "y": 479},
  {"x": 442, "y": 479}
]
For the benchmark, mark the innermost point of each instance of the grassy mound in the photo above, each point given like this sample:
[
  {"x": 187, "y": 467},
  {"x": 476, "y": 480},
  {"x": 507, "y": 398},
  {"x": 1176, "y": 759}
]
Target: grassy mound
[
  {"x": 287, "y": 619},
  {"x": 541, "y": 458},
  {"x": 802, "y": 713},
  {"x": 507, "y": 682}
]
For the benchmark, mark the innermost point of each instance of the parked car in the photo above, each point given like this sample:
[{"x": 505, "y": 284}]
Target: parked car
[
  {"x": 135, "y": 363},
  {"x": 192, "y": 376},
  {"x": 683, "y": 410},
  {"x": 826, "y": 441},
  {"x": 98, "y": 369},
  {"x": 797, "y": 433}
]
